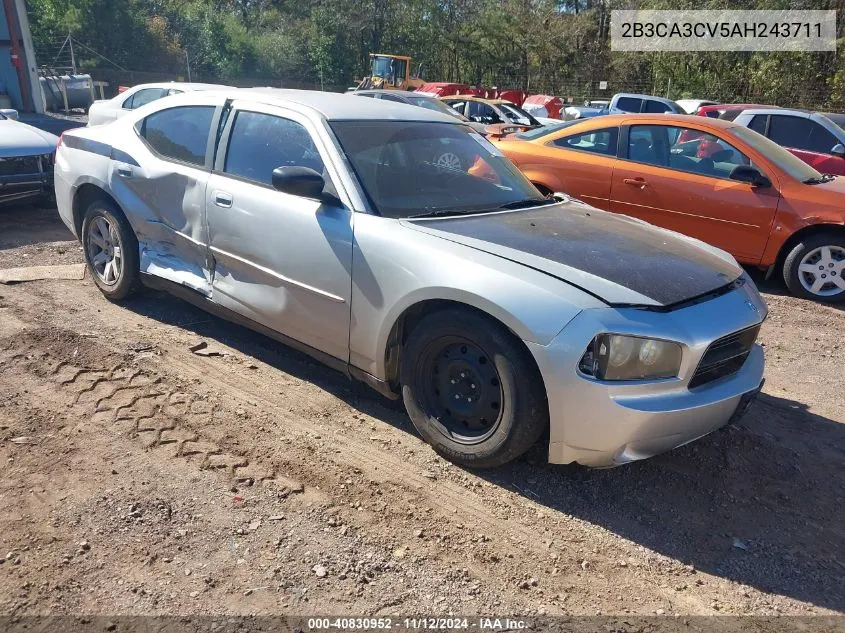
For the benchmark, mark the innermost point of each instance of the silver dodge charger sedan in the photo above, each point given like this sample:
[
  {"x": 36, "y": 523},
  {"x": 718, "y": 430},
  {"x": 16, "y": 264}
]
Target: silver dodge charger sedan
[{"x": 498, "y": 315}]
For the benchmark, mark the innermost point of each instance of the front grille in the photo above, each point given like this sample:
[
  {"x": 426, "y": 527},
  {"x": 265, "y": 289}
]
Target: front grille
[
  {"x": 20, "y": 165},
  {"x": 725, "y": 357}
]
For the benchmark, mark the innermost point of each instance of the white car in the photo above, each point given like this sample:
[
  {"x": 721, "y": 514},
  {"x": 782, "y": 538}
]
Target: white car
[
  {"x": 26, "y": 159},
  {"x": 108, "y": 110}
]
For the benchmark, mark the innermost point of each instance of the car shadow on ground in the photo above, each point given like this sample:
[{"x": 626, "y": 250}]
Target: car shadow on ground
[
  {"x": 775, "y": 286},
  {"x": 759, "y": 502},
  {"x": 27, "y": 223}
]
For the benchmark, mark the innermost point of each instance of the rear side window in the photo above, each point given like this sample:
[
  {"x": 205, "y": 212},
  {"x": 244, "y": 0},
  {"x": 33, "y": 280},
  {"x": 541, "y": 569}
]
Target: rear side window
[
  {"x": 648, "y": 144},
  {"x": 260, "y": 143},
  {"x": 143, "y": 97},
  {"x": 656, "y": 107},
  {"x": 482, "y": 113},
  {"x": 387, "y": 97},
  {"x": 629, "y": 104},
  {"x": 179, "y": 133},
  {"x": 594, "y": 141},
  {"x": 758, "y": 123},
  {"x": 790, "y": 131}
]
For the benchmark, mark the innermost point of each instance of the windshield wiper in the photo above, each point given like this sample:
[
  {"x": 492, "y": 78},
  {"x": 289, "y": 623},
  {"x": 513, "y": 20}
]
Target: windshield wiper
[
  {"x": 439, "y": 213},
  {"x": 508, "y": 206},
  {"x": 523, "y": 204},
  {"x": 818, "y": 181}
]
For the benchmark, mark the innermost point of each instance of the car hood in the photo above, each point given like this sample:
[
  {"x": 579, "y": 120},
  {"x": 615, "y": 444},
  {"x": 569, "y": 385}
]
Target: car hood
[
  {"x": 20, "y": 139},
  {"x": 620, "y": 260}
]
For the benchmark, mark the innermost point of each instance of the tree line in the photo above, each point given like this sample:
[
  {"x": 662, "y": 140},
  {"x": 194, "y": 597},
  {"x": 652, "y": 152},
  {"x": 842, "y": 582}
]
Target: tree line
[{"x": 557, "y": 47}]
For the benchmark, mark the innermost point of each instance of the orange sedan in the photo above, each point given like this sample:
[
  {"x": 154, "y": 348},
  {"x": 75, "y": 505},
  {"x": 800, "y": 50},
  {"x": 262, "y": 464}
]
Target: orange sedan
[{"x": 708, "y": 178}]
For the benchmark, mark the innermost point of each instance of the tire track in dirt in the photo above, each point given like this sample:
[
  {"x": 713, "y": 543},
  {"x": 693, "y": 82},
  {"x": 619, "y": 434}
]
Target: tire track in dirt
[{"x": 140, "y": 405}]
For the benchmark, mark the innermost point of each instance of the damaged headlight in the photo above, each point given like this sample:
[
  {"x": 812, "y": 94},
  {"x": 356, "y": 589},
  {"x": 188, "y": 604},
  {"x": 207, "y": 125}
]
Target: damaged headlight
[{"x": 618, "y": 357}]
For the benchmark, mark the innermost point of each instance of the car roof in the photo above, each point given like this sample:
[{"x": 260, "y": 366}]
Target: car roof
[
  {"x": 479, "y": 99},
  {"x": 634, "y": 95},
  {"x": 612, "y": 120},
  {"x": 775, "y": 110},
  {"x": 182, "y": 85},
  {"x": 398, "y": 93},
  {"x": 335, "y": 106},
  {"x": 733, "y": 106}
]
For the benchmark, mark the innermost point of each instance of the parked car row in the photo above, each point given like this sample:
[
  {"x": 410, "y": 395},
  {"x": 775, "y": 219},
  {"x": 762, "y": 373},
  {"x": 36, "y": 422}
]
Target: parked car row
[{"x": 498, "y": 314}]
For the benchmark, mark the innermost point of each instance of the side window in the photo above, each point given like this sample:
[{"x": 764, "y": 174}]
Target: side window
[
  {"x": 820, "y": 140},
  {"x": 706, "y": 155},
  {"x": 790, "y": 131},
  {"x": 482, "y": 113},
  {"x": 629, "y": 104},
  {"x": 648, "y": 144},
  {"x": 758, "y": 123},
  {"x": 143, "y": 97},
  {"x": 260, "y": 143},
  {"x": 179, "y": 133},
  {"x": 655, "y": 107},
  {"x": 457, "y": 105},
  {"x": 595, "y": 141},
  {"x": 370, "y": 95},
  {"x": 387, "y": 97}
]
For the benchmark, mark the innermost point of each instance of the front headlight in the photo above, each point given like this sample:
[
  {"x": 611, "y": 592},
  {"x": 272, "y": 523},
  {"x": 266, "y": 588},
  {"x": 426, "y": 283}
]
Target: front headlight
[{"x": 618, "y": 357}]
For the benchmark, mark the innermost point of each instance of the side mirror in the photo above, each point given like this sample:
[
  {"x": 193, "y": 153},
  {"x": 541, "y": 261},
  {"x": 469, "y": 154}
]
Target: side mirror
[
  {"x": 747, "y": 173},
  {"x": 10, "y": 113},
  {"x": 838, "y": 150},
  {"x": 298, "y": 181}
]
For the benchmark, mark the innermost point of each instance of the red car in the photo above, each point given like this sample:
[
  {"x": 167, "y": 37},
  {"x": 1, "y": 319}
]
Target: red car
[
  {"x": 727, "y": 111},
  {"x": 814, "y": 137}
]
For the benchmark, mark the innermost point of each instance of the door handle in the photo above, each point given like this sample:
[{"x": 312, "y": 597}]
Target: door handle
[
  {"x": 637, "y": 182},
  {"x": 223, "y": 199},
  {"x": 124, "y": 171}
]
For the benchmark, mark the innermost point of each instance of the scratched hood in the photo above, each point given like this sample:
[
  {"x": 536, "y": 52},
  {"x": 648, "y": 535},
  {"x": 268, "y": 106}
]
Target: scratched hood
[
  {"x": 616, "y": 258},
  {"x": 20, "y": 139}
]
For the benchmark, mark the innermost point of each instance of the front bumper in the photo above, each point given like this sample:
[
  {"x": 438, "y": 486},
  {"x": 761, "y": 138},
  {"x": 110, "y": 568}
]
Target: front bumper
[
  {"x": 604, "y": 424},
  {"x": 25, "y": 177}
]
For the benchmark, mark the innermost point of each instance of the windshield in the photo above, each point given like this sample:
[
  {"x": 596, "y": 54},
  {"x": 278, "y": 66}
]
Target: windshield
[
  {"x": 2, "y": 117},
  {"x": 382, "y": 67},
  {"x": 426, "y": 168},
  {"x": 838, "y": 119},
  {"x": 786, "y": 161},
  {"x": 437, "y": 106},
  {"x": 517, "y": 115},
  {"x": 530, "y": 135}
]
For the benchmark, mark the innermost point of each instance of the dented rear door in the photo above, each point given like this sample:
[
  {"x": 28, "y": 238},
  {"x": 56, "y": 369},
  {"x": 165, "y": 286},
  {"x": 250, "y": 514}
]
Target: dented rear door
[{"x": 162, "y": 176}]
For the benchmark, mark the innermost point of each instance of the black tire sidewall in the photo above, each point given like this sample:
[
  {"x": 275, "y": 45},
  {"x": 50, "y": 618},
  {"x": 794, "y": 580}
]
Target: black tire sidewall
[
  {"x": 524, "y": 410},
  {"x": 127, "y": 283},
  {"x": 793, "y": 261}
]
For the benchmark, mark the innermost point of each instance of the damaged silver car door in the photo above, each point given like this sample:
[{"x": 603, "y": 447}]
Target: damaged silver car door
[
  {"x": 169, "y": 191},
  {"x": 280, "y": 259}
]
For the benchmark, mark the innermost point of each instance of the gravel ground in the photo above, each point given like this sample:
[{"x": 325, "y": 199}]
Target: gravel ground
[{"x": 141, "y": 478}]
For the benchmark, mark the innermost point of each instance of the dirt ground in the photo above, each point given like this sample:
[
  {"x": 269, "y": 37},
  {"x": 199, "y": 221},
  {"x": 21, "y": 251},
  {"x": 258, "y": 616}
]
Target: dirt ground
[{"x": 141, "y": 478}]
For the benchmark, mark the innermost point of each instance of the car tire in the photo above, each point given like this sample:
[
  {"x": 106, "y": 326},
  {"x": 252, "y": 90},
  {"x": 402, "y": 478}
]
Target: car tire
[
  {"x": 110, "y": 249},
  {"x": 471, "y": 389},
  {"x": 816, "y": 256}
]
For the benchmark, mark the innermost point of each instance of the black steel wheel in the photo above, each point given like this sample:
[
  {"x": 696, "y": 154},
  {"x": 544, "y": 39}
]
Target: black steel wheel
[
  {"x": 461, "y": 388},
  {"x": 472, "y": 389}
]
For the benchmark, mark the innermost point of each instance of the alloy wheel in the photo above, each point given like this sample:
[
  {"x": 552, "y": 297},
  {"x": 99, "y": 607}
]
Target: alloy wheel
[
  {"x": 105, "y": 250},
  {"x": 821, "y": 271}
]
